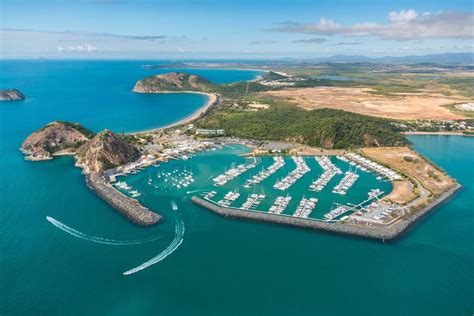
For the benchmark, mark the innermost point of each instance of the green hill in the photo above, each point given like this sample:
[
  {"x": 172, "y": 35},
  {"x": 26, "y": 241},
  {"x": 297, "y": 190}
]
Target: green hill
[{"x": 326, "y": 128}]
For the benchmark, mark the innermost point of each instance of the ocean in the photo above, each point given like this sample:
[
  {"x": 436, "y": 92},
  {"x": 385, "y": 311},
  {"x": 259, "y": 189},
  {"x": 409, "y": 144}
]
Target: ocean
[{"x": 220, "y": 266}]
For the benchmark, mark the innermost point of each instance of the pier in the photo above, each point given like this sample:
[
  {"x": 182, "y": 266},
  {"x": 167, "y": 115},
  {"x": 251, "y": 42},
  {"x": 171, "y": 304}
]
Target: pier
[
  {"x": 367, "y": 164},
  {"x": 128, "y": 206},
  {"x": 253, "y": 201},
  {"x": 305, "y": 207},
  {"x": 233, "y": 173},
  {"x": 346, "y": 183},
  {"x": 262, "y": 175},
  {"x": 330, "y": 170},
  {"x": 280, "y": 204},
  {"x": 301, "y": 169}
]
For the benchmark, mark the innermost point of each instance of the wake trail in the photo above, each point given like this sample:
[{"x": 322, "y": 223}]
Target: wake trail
[
  {"x": 189, "y": 192},
  {"x": 99, "y": 240},
  {"x": 178, "y": 239}
]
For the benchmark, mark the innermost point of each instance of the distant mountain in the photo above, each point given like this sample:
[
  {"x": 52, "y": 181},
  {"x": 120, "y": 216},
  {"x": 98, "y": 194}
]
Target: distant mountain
[{"x": 446, "y": 59}]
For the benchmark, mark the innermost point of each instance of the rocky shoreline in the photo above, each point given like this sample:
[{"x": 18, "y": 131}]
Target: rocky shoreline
[
  {"x": 129, "y": 207},
  {"x": 384, "y": 233}
]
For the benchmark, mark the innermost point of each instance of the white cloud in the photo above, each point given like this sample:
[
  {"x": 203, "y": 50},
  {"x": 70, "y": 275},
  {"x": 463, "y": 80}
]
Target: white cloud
[
  {"x": 402, "y": 16},
  {"x": 86, "y": 47},
  {"x": 403, "y": 25}
]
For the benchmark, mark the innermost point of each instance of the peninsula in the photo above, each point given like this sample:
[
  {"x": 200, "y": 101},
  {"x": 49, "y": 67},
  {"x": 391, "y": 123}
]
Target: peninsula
[{"x": 94, "y": 154}]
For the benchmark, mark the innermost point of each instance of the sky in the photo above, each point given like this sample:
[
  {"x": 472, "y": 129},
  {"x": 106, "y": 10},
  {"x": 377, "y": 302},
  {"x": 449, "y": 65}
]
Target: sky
[{"x": 233, "y": 29}]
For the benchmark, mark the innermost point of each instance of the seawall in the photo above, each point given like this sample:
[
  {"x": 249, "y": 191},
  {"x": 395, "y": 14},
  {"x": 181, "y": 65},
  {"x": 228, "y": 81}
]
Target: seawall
[
  {"x": 384, "y": 233},
  {"x": 129, "y": 207}
]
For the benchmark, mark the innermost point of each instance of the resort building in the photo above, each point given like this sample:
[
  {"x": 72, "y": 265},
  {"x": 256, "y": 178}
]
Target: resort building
[{"x": 210, "y": 132}]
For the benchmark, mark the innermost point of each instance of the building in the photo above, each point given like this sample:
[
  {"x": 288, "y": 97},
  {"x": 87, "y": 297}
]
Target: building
[{"x": 210, "y": 132}]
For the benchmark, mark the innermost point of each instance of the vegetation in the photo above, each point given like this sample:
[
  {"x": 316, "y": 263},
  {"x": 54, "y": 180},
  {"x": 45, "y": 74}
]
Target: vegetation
[
  {"x": 176, "y": 81},
  {"x": 326, "y": 128}
]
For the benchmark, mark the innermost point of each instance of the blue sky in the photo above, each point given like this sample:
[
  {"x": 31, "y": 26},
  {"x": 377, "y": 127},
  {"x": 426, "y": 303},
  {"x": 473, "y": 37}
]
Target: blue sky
[{"x": 227, "y": 29}]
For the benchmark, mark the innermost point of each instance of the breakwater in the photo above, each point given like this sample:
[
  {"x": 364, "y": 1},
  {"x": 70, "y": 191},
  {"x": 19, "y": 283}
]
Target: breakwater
[
  {"x": 129, "y": 207},
  {"x": 380, "y": 232}
]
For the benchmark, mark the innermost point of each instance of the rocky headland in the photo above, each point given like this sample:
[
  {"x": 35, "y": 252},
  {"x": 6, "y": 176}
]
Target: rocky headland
[
  {"x": 56, "y": 137},
  {"x": 104, "y": 151},
  {"x": 94, "y": 154},
  {"x": 174, "y": 81},
  {"x": 11, "y": 95}
]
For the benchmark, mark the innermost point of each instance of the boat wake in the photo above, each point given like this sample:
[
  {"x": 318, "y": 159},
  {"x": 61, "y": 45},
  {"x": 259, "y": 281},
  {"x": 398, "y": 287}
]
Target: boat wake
[
  {"x": 189, "y": 192},
  {"x": 178, "y": 239},
  {"x": 99, "y": 240}
]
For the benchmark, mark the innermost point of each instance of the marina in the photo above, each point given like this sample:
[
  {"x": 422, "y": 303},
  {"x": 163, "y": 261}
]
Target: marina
[{"x": 315, "y": 206}]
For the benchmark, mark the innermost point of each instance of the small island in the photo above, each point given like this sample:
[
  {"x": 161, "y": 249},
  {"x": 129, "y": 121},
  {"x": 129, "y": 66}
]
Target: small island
[{"x": 11, "y": 95}]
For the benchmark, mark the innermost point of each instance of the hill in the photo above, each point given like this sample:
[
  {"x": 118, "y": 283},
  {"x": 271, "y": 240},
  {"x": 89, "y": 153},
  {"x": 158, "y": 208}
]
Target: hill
[
  {"x": 54, "y": 137},
  {"x": 105, "y": 151},
  {"x": 325, "y": 128},
  {"x": 174, "y": 81}
]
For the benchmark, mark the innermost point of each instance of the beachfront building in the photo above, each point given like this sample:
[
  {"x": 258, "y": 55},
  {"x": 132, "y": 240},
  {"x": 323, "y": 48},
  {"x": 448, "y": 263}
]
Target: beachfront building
[{"x": 210, "y": 132}]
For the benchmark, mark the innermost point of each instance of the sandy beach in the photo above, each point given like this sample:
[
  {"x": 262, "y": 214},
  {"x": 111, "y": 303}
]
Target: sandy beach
[{"x": 213, "y": 99}]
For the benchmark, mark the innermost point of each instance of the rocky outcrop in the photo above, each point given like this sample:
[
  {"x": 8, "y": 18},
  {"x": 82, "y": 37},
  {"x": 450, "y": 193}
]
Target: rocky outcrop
[
  {"x": 105, "y": 151},
  {"x": 174, "y": 81},
  {"x": 53, "y": 138},
  {"x": 11, "y": 95}
]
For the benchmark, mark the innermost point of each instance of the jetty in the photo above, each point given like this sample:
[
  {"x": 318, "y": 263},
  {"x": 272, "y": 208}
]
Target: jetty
[
  {"x": 366, "y": 164},
  {"x": 305, "y": 207},
  {"x": 233, "y": 173},
  {"x": 253, "y": 201},
  {"x": 300, "y": 170},
  {"x": 128, "y": 206},
  {"x": 262, "y": 175},
  {"x": 280, "y": 204},
  {"x": 330, "y": 170},
  {"x": 346, "y": 183}
]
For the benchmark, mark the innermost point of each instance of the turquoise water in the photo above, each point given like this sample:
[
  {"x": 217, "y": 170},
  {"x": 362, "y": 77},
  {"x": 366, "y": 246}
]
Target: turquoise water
[
  {"x": 209, "y": 164},
  {"x": 223, "y": 266}
]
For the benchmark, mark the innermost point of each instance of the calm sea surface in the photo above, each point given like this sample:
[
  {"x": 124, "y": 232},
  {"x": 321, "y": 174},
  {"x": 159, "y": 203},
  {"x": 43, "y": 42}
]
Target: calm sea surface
[{"x": 223, "y": 266}]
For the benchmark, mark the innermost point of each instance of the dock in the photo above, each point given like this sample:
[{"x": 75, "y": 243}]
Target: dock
[
  {"x": 330, "y": 170},
  {"x": 300, "y": 170}
]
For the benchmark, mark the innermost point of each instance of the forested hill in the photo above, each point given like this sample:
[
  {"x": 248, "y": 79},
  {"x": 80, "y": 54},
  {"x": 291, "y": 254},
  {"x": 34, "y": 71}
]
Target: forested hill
[{"x": 326, "y": 128}]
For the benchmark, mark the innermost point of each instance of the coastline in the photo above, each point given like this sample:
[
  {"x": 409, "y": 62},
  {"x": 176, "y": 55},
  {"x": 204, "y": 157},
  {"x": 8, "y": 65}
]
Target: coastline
[
  {"x": 213, "y": 98},
  {"x": 445, "y": 133}
]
